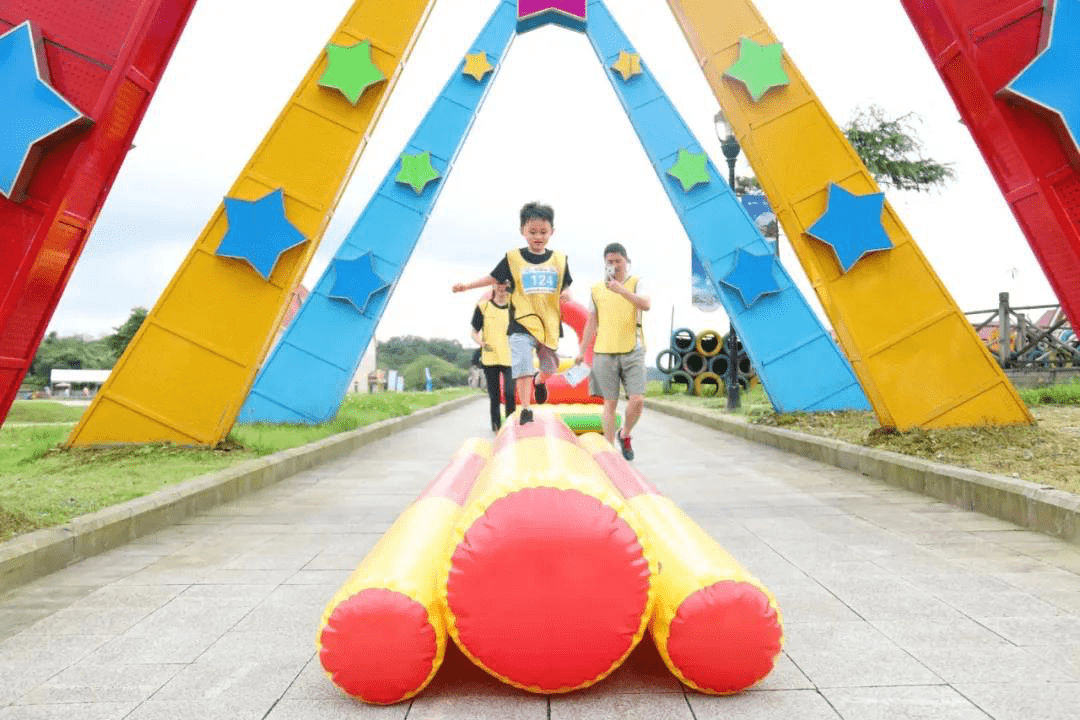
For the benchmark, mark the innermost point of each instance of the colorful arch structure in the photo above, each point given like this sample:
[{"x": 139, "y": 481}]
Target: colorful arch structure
[
  {"x": 915, "y": 353},
  {"x": 1005, "y": 65},
  {"x": 910, "y": 347},
  {"x": 74, "y": 86},
  {"x": 306, "y": 376},
  {"x": 187, "y": 371}
]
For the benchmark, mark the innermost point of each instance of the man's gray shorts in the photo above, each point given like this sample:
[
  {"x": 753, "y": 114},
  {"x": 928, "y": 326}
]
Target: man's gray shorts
[
  {"x": 521, "y": 356},
  {"x": 609, "y": 370}
]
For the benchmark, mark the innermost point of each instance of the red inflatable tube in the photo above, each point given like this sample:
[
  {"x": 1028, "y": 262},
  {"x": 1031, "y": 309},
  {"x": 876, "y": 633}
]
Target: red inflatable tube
[
  {"x": 717, "y": 628},
  {"x": 383, "y": 635},
  {"x": 547, "y": 584}
]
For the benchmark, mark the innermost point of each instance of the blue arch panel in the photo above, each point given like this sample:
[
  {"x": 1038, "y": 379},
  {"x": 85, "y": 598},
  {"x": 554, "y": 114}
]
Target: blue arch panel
[
  {"x": 800, "y": 366},
  {"x": 307, "y": 374}
]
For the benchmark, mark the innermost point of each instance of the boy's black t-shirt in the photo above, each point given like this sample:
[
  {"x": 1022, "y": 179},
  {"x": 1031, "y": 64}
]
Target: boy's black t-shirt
[{"x": 502, "y": 274}]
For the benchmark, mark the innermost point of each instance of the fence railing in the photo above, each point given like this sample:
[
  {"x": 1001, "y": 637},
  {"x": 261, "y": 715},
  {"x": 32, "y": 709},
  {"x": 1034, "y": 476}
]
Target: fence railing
[{"x": 1047, "y": 341}]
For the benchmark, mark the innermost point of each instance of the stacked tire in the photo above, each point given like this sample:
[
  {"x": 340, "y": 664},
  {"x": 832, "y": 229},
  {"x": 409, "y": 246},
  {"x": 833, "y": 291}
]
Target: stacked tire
[{"x": 697, "y": 363}]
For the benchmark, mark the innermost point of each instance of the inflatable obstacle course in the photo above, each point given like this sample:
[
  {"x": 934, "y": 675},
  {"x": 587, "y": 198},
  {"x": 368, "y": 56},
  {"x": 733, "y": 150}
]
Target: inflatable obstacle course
[
  {"x": 545, "y": 557},
  {"x": 388, "y": 608},
  {"x": 581, "y": 418},
  {"x": 548, "y": 579},
  {"x": 718, "y": 629}
]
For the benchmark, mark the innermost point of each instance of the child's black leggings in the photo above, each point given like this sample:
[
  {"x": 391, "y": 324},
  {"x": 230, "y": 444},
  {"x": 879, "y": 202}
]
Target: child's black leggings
[{"x": 492, "y": 373}]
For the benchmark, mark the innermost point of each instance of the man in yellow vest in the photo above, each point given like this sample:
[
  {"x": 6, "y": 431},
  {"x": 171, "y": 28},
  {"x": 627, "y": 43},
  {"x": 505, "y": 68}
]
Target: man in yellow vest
[
  {"x": 619, "y": 355},
  {"x": 489, "y": 322},
  {"x": 538, "y": 277}
]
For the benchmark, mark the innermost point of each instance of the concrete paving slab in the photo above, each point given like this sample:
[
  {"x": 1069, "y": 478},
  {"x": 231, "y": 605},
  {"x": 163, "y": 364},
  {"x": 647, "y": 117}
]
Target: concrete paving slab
[
  {"x": 852, "y": 655},
  {"x": 927, "y": 702},
  {"x": 763, "y": 705},
  {"x": 87, "y": 683},
  {"x": 66, "y": 711},
  {"x": 1022, "y": 701},
  {"x": 604, "y": 705},
  {"x": 896, "y": 605}
]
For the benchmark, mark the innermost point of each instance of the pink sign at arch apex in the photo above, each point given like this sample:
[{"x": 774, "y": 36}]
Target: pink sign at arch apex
[{"x": 534, "y": 13}]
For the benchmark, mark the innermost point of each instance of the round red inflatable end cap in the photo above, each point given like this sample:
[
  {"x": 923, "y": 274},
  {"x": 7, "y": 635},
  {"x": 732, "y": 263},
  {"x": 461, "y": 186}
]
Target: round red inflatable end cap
[
  {"x": 549, "y": 589},
  {"x": 379, "y": 646},
  {"x": 725, "y": 637}
]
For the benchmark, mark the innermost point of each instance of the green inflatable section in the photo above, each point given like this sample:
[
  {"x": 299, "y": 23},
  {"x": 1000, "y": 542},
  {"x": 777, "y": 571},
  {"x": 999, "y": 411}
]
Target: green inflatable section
[{"x": 583, "y": 422}]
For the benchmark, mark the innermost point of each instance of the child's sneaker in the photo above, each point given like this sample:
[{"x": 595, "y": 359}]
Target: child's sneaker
[
  {"x": 525, "y": 417},
  {"x": 624, "y": 445}
]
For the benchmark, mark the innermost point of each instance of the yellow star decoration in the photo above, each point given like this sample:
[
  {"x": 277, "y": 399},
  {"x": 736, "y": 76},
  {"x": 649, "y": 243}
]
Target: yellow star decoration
[
  {"x": 477, "y": 66},
  {"x": 628, "y": 65}
]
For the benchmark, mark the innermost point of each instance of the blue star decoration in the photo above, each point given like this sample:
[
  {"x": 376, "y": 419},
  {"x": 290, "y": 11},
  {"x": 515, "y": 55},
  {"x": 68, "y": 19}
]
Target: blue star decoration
[
  {"x": 33, "y": 115},
  {"x": 355, "y": 281},
  {"x": 1048, "y": 82},
  {"x": 259, "y": 232},
  {"x": 851, "y": 225},
  {"x": 752, "y": 276}
]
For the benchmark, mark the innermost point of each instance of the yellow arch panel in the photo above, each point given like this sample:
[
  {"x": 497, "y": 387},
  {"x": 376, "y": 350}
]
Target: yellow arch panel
[
  {"x": 916, "y": 355},
  {"x": 186, "y": 373}
]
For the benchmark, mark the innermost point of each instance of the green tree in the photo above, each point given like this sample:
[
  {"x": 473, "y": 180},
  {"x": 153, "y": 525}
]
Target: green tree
[
  {"x": 397, "y": 352},
  {"x": 118, "y": 341},
  {"x": 74, "y": 352},
  {"x": 443, "y": 373},
  {"x": 746, "y": 185},
  {"x": 891, "y": 150}
]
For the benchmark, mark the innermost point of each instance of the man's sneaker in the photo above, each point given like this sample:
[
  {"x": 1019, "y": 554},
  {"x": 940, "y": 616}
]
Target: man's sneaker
[
  {"x": 525, "y": 417},
  {"x": 624, "y": 445},
  {"x": 540, "y": 392}
]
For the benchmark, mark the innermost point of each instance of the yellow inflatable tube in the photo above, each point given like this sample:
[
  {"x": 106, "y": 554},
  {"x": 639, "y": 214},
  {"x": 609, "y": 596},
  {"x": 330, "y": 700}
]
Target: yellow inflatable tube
[
  {"x": 717, "y": 628},
  {"x": 383, "y": 635},
  {"x": 547, "y": 582}
]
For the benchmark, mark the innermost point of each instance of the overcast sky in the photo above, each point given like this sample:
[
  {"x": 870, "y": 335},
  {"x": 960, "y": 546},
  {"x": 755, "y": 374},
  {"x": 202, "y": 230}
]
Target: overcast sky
[{"x": 550, "y": 130}]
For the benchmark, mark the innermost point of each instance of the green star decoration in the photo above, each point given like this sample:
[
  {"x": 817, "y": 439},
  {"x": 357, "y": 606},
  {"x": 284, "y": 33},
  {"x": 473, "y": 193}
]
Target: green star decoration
[
  {"x": 350, "y": 70},
  {"x": 417, "y": 171},
  {"x": 690, "y": 169},
  {"x": 759, "y": 67}
]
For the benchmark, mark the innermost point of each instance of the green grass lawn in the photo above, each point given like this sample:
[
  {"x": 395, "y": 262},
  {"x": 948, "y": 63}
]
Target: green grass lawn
[
  {"x": 752, "y": 402},
  {"x": 43, "y": 411},
  {"x": 1063, "y": 394},
  {"x": 1046, "y": 453},
  {"x": 42, "y": 484}
]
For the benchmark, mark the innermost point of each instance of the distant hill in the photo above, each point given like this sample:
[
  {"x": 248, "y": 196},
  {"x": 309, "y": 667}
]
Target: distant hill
[{"x": 443, "y": 373}]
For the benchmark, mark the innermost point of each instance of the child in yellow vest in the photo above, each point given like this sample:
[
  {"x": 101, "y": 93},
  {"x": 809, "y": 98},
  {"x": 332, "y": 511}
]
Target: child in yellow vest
[
  {"x": 619, "y": 355},
  {"x": 489, "y": 322},
  {"x": 537, "y": 278}
]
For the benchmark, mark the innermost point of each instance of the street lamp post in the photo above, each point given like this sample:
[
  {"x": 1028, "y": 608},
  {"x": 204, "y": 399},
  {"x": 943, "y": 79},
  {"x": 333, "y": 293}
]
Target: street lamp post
[{"x": 730, "y": 147}]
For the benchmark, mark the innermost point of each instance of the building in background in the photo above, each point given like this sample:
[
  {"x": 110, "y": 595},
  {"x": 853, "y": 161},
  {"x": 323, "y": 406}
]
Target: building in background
[{"x": 72, "y": 383}]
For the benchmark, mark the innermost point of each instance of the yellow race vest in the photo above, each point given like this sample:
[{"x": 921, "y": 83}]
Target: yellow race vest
[
  {"x": 617, "y": 326},
  {"x": 496, "y": 320},
  {"x": 535, "y": 299}
]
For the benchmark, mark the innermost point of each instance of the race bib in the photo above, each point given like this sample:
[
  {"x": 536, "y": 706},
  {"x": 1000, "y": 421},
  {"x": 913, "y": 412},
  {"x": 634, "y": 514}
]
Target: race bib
[{"x": 542, "y": 279}]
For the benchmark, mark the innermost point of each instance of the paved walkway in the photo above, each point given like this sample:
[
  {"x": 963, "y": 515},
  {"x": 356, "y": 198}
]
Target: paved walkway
[{"x": 895, "y": 606}]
